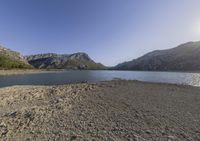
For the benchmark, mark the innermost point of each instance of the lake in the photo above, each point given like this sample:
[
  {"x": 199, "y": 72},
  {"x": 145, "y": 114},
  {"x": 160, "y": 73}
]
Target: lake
[{"x": 65, "y": 77}]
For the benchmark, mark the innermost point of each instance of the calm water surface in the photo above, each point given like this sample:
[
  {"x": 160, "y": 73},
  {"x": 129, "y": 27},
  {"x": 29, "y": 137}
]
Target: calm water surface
[{"x": 65, "y": 77}]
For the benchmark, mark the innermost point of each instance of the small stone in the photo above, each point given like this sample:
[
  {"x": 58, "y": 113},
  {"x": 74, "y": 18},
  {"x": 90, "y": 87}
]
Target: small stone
[
  {"x": 148, "y": 132},
  {"x": 3, "y": 129},
  {"x": 60, "y": 100},
  {"x": 2, "y": 125},
  {"x": 29, "y": 115},
  {"x": 170, "y": 138},
  {"x": 12, "y": 114},
  {"x": 73, "y": 138},
  {"x": 90, "y": 124},
  {"x": 4, "y": 132}
]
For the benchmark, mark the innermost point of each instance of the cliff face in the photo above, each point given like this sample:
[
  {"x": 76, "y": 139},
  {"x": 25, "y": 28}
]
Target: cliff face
[
  {"x": 63, "y": 61},
  {"x": 11, "y": 59},
  {"x": 185, "y": 57}
]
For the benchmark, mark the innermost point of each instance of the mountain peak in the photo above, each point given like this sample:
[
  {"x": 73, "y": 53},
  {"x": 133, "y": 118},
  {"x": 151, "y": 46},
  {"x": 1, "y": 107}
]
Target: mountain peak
[{"x": 81, "y": 56}]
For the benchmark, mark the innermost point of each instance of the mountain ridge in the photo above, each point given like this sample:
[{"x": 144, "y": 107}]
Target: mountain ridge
[
  {"x": 10, "y": 59},
  {"x": 79, "y": 60},
  {"x": 184, "y": 57}
]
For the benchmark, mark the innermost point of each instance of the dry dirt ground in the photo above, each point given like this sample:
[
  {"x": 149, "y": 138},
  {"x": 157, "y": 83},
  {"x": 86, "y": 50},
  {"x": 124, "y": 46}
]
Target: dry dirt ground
[{"x": 111, "y": 111}]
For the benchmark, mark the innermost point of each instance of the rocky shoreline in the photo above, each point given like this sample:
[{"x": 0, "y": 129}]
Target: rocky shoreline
[{"x": 113, "y": 110}]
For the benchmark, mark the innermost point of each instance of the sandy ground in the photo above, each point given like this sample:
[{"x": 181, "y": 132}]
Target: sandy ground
[
  {"x": 111, "y": 111},
  {"x": 28, "y": 71}
]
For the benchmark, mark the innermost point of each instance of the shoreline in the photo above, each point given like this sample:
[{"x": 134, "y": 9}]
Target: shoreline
[
  {"x": 108, "y": 110},
  {"x": 25, "y": 71},
  {"x": 35, "y": 71}
]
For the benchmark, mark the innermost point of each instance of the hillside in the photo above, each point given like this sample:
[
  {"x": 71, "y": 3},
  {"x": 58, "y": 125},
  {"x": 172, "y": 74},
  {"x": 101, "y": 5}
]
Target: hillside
[
  {"x": 185, "y": 57},
  {"x": 12, "y": 60},
  {"x": 63, "y": 61}
]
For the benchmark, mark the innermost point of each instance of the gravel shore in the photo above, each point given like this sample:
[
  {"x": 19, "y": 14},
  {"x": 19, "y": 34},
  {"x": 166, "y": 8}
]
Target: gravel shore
[{"x": 115, "y": 110}]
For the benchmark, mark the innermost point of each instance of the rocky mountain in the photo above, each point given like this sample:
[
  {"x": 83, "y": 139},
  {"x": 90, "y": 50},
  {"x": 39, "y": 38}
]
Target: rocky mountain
[
  {"x": 12, "y": 60},
  {"x": 63, "y": 61},
  {"x": 185, "y": 57}
]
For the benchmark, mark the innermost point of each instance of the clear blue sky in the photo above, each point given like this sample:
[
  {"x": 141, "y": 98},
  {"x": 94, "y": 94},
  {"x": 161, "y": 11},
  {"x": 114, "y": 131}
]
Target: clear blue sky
[{"x": 110, "y": 31}]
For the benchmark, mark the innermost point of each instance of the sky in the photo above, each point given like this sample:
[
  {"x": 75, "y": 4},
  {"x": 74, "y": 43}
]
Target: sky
[{"x": 110, "y": 31}]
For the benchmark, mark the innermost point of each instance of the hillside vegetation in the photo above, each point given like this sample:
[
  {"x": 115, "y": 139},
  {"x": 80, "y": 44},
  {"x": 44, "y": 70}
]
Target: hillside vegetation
[{"x": 12, "y": 60}]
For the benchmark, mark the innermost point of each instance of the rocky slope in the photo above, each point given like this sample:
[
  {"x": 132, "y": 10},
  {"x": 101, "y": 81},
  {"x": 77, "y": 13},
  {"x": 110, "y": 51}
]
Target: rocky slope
[
  {"x": 185, "y": 57},
  {"x": 11, "y": 59},
  {"x": 63, "y": 61}
]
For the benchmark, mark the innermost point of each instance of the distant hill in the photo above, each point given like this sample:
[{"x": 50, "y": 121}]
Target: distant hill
[
  {"x": 12, "y": 60},
  {"x": 185, "y": 57},
  {"x": 63, "y": 61}
]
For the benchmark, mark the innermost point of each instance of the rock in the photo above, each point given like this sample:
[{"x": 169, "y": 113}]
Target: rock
[
  {"x": 148, "y": 131},
  {"x": 73, "y": 137},
  {"x": 3, "y": 129},
  {"x": 170, "y": 138},
  {"x": 13, "y": 114},
  {"x": 29, "y": 115}
]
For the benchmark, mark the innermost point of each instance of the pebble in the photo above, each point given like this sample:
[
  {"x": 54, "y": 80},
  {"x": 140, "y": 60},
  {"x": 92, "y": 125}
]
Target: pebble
[
  {"x": 12, "y": 114},
  {"x": 72, "y": 138},
  {"x": 148, "y": 132},
  {"x": 170, "y": 138}
]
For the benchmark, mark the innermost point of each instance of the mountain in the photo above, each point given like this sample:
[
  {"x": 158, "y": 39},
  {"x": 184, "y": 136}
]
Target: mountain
[
  {"x": 12, "y": 60},
  {"x": 185, "y": 57},
  {"x": 63, "y": 61}
]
